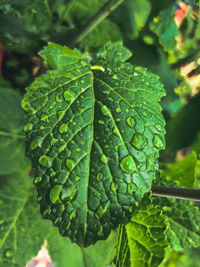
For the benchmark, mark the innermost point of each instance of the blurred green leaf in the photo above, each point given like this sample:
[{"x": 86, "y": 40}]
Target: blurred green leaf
[
  {"x": 183, "y": 172},
  {"x": 183, "y": 127},
  {"x": 165, "y": 28},
  {"x": 106, "y": 31},
  {"x": 12, "y": 153}
]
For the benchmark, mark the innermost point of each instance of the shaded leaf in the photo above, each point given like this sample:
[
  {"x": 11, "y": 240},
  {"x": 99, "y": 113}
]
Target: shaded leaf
[
  {"x": 94, "y": 137},
  {"x": 104, "y": 32},
  {"x": 22, "y": 231},
  {"x": 12, "y": 156},
  {"x": 183, "y": 172},
  {"x": 34, "y": 14},
  {"x": 165, "y": 28},
  {"x": 182, "y": 218},
  {"x": 142, "y": 241}
]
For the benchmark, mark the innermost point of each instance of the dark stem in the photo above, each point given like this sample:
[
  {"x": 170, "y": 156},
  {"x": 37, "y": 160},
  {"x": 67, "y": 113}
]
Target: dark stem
[
  {"x": 95, "y": 20},
  {"x": 173, "y": 192}
]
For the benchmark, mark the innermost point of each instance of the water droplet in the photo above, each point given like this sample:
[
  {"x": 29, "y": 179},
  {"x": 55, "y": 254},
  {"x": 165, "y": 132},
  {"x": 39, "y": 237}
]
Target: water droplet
[
  {"x": 70, "y": 163},
  {"x": 116, "y": 148},
  {"x": 37, "y": 179},
  {"x": 8, "y": 253},
  {"x": 116, "y": 131},
  {"x": 46, "y": 161},
  {"x": 74, "y": 123},
  {"x": 127, "y": 164},
  {"x": 39, "y": 198},
  {"x": 82, "y": 143},
  {"x": 138, "y": 140},
  {"x": 104, "y": 159},
  {"x": 99, "y": 176},
  {"x": 158, "y": 142},
  {"x": 67, "y": 96},
  {"x": 44, "y": 117},
  {"x": 101, "y": 122},
  {"x": 28, "y": 127},
  {"x": 68, "y": 193},
  {"x": 78, "y": 149},
  {"x": 77, "y": 178},
  {"x": 158, "y": 127},
  {"x": 105, "y": 111},
  {"x": 118, "y": 110},
  {"x": 63, "y": 128},
  {"x": 135, "y": 74},
  {"x": 61, "y": 148},
  {"x": 144, "y": 113},
  {"x": 106, "y": 92},
  {"x": 115, "y": 77},
  {"x": 131, "y": 122},
  {"x": 55, "y": 193},
  {"x": 37, "y": 141}
]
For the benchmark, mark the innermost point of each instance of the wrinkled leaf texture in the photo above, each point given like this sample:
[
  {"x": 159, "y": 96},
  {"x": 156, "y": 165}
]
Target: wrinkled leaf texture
[
  {"x": 142, "y": 241},
  {"x": 94, "y": 131}
]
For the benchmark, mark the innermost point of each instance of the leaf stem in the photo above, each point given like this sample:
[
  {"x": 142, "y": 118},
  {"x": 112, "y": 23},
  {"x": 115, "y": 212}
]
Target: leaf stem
[
  {"x": 176, "y": 192},
  {"x": 95, "y": 20}
]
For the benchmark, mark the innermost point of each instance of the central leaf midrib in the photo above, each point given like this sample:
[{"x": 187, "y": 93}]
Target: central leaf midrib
[{"x": 90, "y": 149}]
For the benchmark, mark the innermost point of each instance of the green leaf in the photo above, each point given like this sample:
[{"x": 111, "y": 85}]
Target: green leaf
[
  {"x": 94, "y": 137},
  {"x": 142, "y": 241},
  {"x": 22, "y": 231},
  {"x": 62, "y": 251},
  {"x": 183, "y": 127},
  {"x": 104, "y": 32},
  {"x": 183, "y": 172},
  {"x": 165, "y": 28},
  {"x": 12, "y": 156},
  {"x": 182, "y": 218},
  {"x": 35, "y": 15}
]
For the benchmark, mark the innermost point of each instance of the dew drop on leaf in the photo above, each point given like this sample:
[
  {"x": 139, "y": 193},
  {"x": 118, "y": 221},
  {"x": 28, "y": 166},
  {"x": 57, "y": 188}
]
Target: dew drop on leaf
[
  {"x": 130, "y": 121},
  {"x": 99, "y": 176},
  {"x": 158, "y": 127},
  {"x": 8, "y": 253},
  {"x": 55, "y": 193},
  {"x": 77, "y": 178},
  {"x": 68, "y": 193},
  {"x": 82, "y": 143},
  {"x": 36, "y": 142},
  {"x": 144, "y": 113},
  {"x": 104, "y": 159},
  {"x": 63, "y": 128},
  {"x": 105, "y": 111},
  {"x": 46, "y": 161},
  {"x": 138, "y": 140},
  {"x": 70, "y": 163},
  {"x": 28, "y": 127},
  {"x": 127, "y": 164},
  {"x": 118, "y": 110},
  {"x": 158, "y": 142}
]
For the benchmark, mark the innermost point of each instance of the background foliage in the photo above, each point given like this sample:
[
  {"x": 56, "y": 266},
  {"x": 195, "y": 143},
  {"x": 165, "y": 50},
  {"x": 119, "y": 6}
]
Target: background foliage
[{"x": 163, "y": 36}]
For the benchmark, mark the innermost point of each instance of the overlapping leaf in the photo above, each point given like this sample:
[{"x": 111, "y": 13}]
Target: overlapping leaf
[
  {"x": 142, "y": 241},
  {"x": 93, "y": 134}
]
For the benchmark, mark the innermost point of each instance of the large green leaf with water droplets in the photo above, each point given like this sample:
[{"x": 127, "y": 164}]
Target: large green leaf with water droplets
[
  {"x": 94, "y": 131},
  {"x": 142, "y": 241}
]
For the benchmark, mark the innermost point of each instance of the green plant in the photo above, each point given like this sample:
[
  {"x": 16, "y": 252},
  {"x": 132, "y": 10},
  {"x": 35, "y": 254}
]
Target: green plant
[{"x": 92, "y": 122}]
